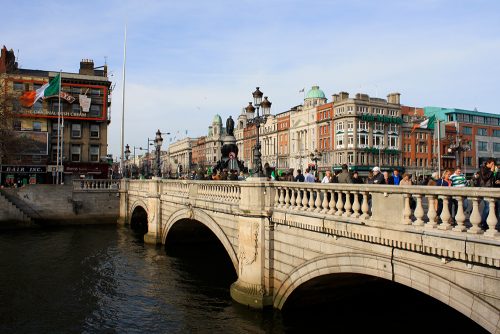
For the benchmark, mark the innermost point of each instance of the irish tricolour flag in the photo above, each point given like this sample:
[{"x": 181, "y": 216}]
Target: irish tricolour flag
[
  {"x": 49, "y": 89},
  {"x": 427, "y": 124}
]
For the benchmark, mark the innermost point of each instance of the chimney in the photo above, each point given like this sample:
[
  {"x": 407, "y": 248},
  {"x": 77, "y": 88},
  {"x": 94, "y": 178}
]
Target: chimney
[
  {"x": 86, "y": 67},
  {"x": 344, "y": 96},
  {"x": 7, "y": 61},
  {"x": 335, "y": 97},
  {"x": 393, "y": 98}
]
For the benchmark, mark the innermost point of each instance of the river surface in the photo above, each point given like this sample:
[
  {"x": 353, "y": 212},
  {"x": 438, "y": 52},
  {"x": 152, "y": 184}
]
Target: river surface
[{"x": 104, "y": 279}]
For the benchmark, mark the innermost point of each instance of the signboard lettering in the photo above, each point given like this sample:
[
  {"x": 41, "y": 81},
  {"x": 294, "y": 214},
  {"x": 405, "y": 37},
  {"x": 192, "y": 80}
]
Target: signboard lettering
[{"x": 24, "y": 169}]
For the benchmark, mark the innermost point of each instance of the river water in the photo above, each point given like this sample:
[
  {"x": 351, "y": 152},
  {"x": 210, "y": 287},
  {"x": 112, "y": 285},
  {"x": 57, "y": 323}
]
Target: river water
[{"x": 104, "y": 279}]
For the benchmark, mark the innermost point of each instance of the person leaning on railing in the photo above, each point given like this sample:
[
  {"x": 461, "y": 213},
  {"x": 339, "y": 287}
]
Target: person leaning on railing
[{"x": 489, "y": 177}]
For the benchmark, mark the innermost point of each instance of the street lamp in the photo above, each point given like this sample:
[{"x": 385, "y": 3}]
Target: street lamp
[
  {"x": 315, "y": 156},
  {"x": 257, "y": 121},
  {"x": 127, "y": 152},
  {"x": 158, "y": 141},
  {"x": 456, "y": 148}
]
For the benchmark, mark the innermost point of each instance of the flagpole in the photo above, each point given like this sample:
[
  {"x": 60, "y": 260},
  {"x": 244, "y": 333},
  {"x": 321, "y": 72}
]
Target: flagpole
[
  {"x": 58, "y": 130},
  {"x": 123, "y": 103},
  {"x": 61, "y": 151},
  {"x": 439, "y": 147}
]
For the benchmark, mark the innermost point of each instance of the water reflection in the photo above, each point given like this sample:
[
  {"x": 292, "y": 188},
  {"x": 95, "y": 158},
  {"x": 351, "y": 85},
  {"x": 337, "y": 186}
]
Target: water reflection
[{"x": 106, "y": 280}]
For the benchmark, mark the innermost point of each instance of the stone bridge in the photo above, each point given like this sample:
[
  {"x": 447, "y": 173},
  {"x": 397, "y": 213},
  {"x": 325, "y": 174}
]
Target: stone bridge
[{"x": 280, "y": 235}]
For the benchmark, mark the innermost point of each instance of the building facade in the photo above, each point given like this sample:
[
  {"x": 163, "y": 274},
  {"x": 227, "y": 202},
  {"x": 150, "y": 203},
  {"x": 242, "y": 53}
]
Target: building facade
[
  {"x": 82, "y": 130},
  {"x": 366, "y": 131}
]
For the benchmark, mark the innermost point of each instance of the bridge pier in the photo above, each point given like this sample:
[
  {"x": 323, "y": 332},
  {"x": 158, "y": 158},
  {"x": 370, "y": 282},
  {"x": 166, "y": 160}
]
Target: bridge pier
[
  {"x": 153, "y": 236},
  {"x": 124, "y": 209},
  {"x": 251, "y": 289}
]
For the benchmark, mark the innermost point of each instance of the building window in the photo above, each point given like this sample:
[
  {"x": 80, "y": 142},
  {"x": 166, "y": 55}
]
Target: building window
[
  {"x": 393, "y": 141},
  {"x": 76, "y": 130},
  {"x": 94, "y": 130},
  {"x": 393, "y": 128},
  {"x": 379, "y": 126},
  {"x": 362, "y": 140},
  {"x": 467, "y": 130},
  {"x": 481, "y": 132},
  {"x": 38, "y": 106},
  {"x": 339, "y": 126},
  {"x": 350, "y": 141},
  {"x": 468, "y": 161},
  {"x": 18, "y": 86},
  {"x": 378, "y": 140},
  {"x": 95, "y": 110},
  {"x": 54, "y": 107},
  {"x": 350, "y": 158},
  {"x": 496, "y": 133},
  {"x": 37, "y": 126},
  {"x": 75, "y": 107},
  {"x": 94, "y": 153},
  {"x": 76, "y": 153},
  {"x": 362, "y": 126},
  {"x": 350, "y": 126},
  {"x": 339, "y": 141},
  {"x": 16, "y": 125},
  {"x": 496, "y": 147},
  {"x": 482, "y": 146}
]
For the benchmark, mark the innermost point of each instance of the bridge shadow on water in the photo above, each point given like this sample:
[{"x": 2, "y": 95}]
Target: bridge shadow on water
[{"x": 351, "y": 303}]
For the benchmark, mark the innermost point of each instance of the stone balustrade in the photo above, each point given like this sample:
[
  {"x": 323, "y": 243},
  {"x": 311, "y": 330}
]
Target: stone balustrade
[
  {"x": 458, "y": 210},
  {"x": 96, "y": 185}
]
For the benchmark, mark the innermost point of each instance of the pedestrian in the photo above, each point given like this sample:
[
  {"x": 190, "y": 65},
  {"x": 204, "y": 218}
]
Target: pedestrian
[
  {"x": 444, "y": 181},
  {"x": 433, "y": 180},
  {"x": 327, "y": 178},
  {"x": 299, "y": 177},
  {"x": 356, "y": 179},
  {"x": 406, "y": 181},
  {"x": 386, "y": 177},
  {"x": 378, "y": 178},
  {"x": 309, "y": 177},
  {"x": 395, "y": 177},
  {"x": 458, "y": 181},
  {"x": 488, "y": 177},
  {"x": 344, "y": 176},
  {"x": 369, "y": 178}
]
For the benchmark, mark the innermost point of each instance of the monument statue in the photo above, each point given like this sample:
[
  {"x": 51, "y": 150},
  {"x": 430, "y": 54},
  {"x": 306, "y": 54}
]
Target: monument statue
[{"x": 230, "y": 126}]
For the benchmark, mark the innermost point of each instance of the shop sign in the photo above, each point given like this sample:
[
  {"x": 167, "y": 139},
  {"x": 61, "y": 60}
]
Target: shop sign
[{"x": 24, "y": 169}]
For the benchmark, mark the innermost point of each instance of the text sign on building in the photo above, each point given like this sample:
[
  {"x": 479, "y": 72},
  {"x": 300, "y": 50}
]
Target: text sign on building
[
  {"x": 84, "y": 102},
  {"x": 23, "y": 169}
]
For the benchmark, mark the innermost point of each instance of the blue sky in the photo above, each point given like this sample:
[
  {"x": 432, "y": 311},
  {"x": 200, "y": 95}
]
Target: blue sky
[{"x": 190, "y": 60}]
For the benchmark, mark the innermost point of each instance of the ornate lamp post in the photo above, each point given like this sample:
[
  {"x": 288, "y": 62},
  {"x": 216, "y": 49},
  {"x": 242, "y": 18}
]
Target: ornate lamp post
[
  {"x": 315, "y": 156},
  {"x": 257, "y": 121},
  {"x": 158, "y": 142},
  {"x": 456, "y": 148},
  {"x": 127, "y": 152},
  {"x": 127, "y": 155}
]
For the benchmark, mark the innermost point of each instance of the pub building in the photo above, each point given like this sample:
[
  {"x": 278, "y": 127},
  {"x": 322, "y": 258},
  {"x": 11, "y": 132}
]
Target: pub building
[{"x": 85, "y": 114}]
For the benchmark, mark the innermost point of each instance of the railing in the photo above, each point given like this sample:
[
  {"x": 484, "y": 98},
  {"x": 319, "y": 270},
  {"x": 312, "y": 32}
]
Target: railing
[
  {"x": 96, "y": 185},
  {"x": 461, "y": 210},
  {"x": 219, "y": 191}
]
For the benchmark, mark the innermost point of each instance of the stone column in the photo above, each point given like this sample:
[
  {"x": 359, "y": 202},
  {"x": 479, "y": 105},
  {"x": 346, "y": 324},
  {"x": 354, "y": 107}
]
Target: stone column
[
  {"x": 251, "y": 288},
  {"x": 124, "y": 186},
  {"x": 154, "y": 212}
]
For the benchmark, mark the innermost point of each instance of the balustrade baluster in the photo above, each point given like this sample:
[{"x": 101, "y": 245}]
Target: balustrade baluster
[
  {"x": 281, "y": 198},
  {"x": 445, "y": 214},
  {"x": 460, "y": 215},
  {"x": 298, "y": 200},
  {"x": 364, "y": 206},
  {"x": 492, "y": 219},
  {"x": 324, "y": 204},
  {"x": 332, "y": 205},
  {"x": 305, "y": 201},
  {"x": 318, "y": 201},
  {"x": 419, "y": 211},
  {"x": 407, "y": 210},
  {"x": 475, "y": 217},
  {"x": 355, "y": 205},
  {"x": 291, "y": 195},
  {"x": 347, "y": 205},
  {"x": 340, "y": 204},
  {"x": 311, "y": 201},
  {"x": 431, "y": 212}
]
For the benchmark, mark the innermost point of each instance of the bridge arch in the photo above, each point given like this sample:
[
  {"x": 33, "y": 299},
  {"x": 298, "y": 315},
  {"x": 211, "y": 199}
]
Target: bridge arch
[
  {"x": 455, "y": 296},
  {"x": 205, "y": 219},
  {"x": 139, "y": 216}
]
